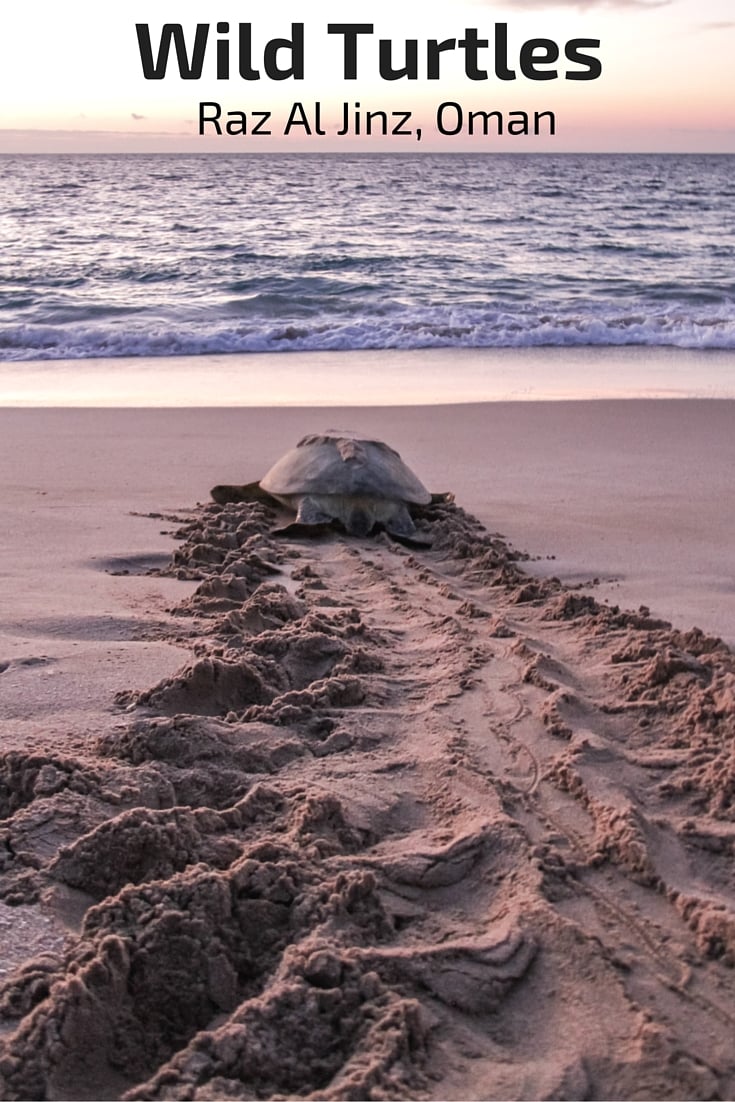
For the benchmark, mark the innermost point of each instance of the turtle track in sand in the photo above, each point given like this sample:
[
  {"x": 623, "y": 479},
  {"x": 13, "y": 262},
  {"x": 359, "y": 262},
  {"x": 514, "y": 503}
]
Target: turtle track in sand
[{"x": 407, "y": 824}]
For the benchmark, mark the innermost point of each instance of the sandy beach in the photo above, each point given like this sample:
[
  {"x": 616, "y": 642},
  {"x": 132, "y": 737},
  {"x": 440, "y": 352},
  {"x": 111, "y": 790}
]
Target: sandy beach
[{"x": 342, "y": 819}]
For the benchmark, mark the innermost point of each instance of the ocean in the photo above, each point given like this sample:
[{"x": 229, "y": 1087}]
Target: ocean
[{"x": 140, "y": 256}]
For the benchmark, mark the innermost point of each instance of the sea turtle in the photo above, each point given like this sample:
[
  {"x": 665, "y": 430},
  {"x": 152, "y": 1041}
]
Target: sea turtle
[{"x": 340, "y": 478}]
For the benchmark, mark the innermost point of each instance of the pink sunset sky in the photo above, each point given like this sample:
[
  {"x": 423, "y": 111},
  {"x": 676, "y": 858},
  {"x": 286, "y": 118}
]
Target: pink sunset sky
[{"x": 72, "y": 79}]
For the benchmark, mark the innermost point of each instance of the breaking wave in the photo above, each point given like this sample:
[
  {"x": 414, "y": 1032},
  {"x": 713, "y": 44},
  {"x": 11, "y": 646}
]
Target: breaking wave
[{"x": 408, "y": 329}]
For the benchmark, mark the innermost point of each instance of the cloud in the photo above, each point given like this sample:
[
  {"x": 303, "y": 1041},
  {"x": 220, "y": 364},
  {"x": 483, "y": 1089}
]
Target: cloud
[{"x": 723, "y": 25}]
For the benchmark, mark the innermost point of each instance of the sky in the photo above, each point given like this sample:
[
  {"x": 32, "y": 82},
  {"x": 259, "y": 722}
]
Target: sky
[{"x": 71, "y": 78}]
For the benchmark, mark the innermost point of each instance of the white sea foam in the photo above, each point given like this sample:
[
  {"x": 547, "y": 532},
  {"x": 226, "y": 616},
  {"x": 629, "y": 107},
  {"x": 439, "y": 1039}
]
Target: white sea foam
[{"x": 411, "y": 331}]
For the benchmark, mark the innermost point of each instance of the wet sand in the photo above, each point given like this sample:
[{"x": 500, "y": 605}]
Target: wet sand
[
  {"x": 367, "y": 377},
  {"x": 340, "y": 819}
]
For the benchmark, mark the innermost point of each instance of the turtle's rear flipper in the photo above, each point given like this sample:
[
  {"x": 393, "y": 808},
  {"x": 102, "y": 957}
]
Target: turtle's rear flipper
[
  {"x": 401, "y": 528},
  {"x": 307, "y": 531},
  {"x": 410, "y": 541},
  {"x": 227, "y": 495}
]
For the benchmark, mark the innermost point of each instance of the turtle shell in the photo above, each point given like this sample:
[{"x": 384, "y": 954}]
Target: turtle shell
[{"x": 345, "y": 464}]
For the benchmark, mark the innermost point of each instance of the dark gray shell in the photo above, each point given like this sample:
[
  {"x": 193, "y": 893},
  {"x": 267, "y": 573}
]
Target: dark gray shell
[{"x": 343, "y": 464}]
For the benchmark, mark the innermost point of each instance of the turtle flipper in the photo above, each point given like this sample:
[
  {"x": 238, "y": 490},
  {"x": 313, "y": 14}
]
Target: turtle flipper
[
  {"x": 399, "y": 522},
  {"x": 251, "y": 491},
  {"x": 308, "y": 531},
  {"x": 311, "y": 513},
  {"x": 414, "y": 542},
  {"x": 311, "y": 520},
  {"x": 401, "y": 528}
]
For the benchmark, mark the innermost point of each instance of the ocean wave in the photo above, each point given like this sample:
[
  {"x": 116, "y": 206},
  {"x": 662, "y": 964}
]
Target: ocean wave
[
  {"x": 185, "y": 256},
  {"x": 445, "y": 328}
]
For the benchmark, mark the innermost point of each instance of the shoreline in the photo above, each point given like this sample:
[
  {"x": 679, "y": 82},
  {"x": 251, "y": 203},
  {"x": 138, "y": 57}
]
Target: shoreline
[{"x": 380, "y": 377}]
